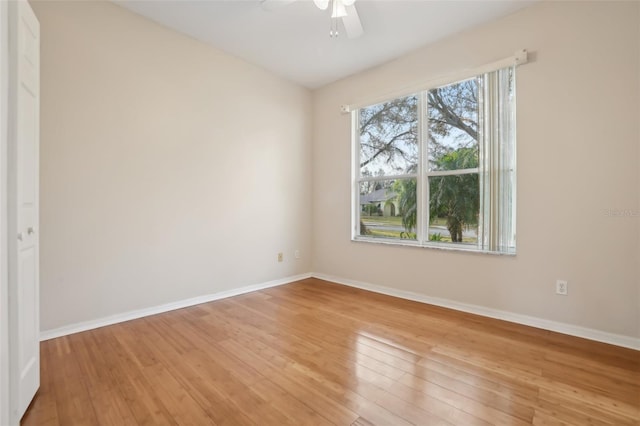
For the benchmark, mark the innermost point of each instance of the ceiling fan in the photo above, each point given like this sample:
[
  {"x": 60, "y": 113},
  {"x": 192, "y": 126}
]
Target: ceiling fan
[{"x": 344, "y": 9}]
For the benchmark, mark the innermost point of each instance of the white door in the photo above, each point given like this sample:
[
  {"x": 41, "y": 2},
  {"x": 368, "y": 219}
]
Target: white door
[{"x": 22, "y": 203}]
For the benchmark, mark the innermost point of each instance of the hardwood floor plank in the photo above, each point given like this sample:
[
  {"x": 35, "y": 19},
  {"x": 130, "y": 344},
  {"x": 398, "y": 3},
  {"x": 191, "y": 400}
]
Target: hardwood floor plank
[
  {"x": 462, "y": 403},
  {"x": 207, "y": 383},
  {"x": 557, "y": 408},
  {"x": 296, "y": 411},
  {"x": 294, "y": 383},
  {"x": 131, "y": 383},
  {"x": 318, "y": 353},
  {"x": 72, "y": 399},
  {"x": 360, "y": 421},
  {"x": 506, "y": 404},
  {"x": 110, "y": 408},
  {"x": 474, "y": 375}
]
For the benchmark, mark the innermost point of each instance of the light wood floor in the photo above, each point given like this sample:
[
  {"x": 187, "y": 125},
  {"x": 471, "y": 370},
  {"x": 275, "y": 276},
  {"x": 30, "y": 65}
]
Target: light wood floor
[{"x": 317, "y": 353}]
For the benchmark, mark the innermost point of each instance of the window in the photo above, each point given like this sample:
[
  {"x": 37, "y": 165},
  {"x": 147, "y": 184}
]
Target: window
[{"x": 437, "y": 168}]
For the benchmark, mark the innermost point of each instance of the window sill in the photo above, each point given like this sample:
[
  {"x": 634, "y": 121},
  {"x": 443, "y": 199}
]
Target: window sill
[{"x": 431, "y": 245}]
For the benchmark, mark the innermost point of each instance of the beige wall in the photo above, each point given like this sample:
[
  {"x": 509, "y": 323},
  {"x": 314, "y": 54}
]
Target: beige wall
[
  {"x": 578, "y": 140},
  {"x": 169, "y": 169}
]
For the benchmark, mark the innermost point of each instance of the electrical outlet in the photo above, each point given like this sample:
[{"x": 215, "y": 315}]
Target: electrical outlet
[
  {"x": 562, "y": 287},
  {"x": 296, "y": 254},
  {"x": 280, "y": 257}
]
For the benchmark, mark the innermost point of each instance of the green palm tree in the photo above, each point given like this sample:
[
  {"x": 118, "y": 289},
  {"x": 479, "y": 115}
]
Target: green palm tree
[
  {"x": 406, "y": 190},
  {"x": 455, "y": 198}
]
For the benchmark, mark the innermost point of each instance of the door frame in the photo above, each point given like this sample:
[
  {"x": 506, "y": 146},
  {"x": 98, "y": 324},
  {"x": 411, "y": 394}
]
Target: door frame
[{"x": 5, "y": 389}]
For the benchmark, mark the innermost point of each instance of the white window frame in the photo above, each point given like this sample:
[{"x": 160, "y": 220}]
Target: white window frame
[{"x": 422, "y": 173}]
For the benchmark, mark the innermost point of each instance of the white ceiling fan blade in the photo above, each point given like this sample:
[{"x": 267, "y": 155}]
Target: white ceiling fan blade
[
  {"x": 352, "y": 24},
  {"x": 322, "y": 4},
  {"x": 270, "y": 5}
]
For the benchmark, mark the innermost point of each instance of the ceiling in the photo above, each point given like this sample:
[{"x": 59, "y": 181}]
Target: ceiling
[{"x": 293, "y": 40}]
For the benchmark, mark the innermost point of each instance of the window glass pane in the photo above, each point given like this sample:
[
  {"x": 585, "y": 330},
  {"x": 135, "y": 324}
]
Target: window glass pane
[
  {"x": 463, "y": 157},
  {"x": 388, "y": 137},
  {"x": 454, "y": 207},
  {"x": 388, "y": 209},
  {"x": 453, "y": 126}
]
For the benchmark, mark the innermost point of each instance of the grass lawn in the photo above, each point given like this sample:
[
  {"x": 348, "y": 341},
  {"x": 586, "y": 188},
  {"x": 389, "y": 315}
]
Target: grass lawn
[
  {"x": 397, "y": 220},
  {"x": 391, "y": 234},
  {"x": 401, "y": 234},
  {"x": 382, "y": 220}
]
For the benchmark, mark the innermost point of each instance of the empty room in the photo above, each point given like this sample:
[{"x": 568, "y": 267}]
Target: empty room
[{"x": 319, "y": 212}]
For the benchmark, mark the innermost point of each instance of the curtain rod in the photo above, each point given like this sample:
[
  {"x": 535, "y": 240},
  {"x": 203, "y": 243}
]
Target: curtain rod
[{"x": 519, "y": 58}]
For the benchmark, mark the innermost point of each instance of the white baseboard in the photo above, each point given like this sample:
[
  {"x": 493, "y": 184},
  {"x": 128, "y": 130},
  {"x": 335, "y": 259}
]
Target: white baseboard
[
  {"x": 572, "y": 330},
  {"x": 139, "y": 313}
]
